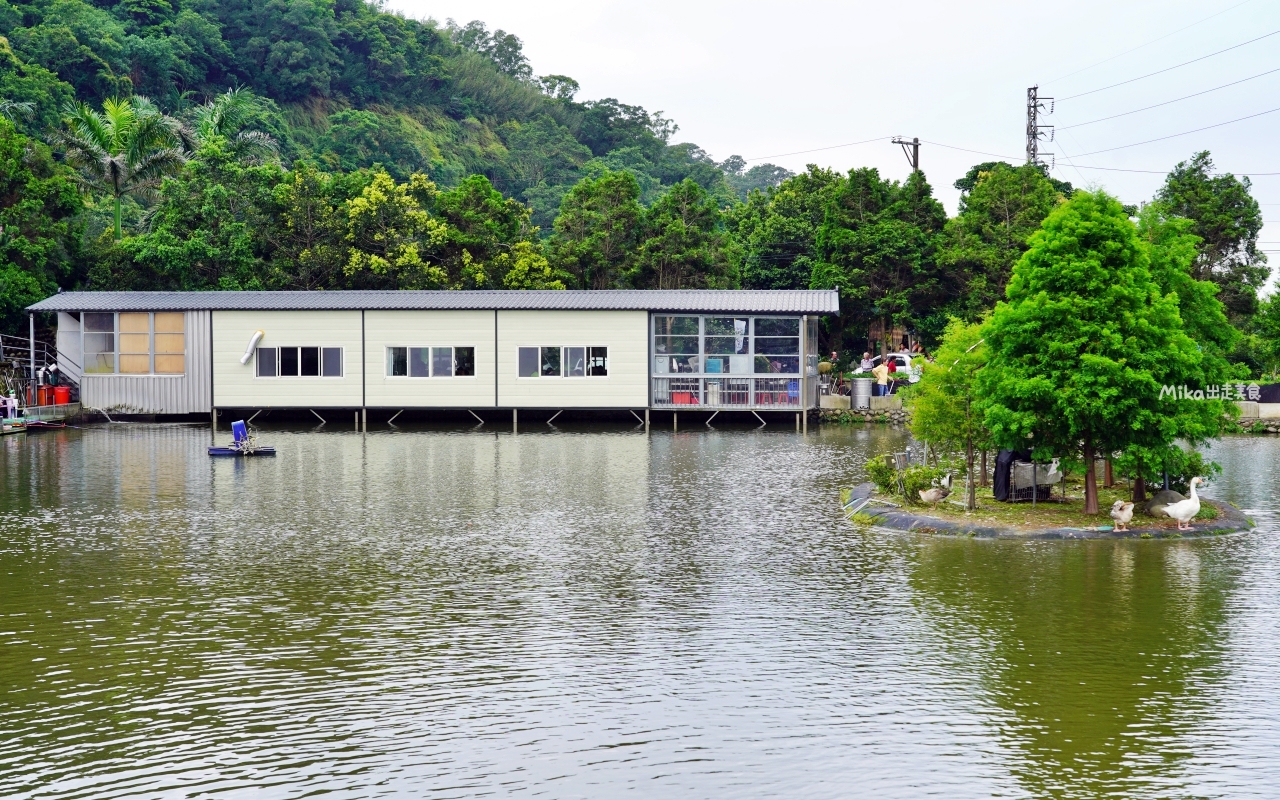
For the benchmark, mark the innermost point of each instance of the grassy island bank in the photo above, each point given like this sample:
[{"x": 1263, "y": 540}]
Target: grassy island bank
[{"x": 1057, "y": 518}]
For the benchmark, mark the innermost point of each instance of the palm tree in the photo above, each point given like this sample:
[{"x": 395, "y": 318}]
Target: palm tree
[
  {"x": 12, "y": 109},
  {"x": 126, "y": 149},
  {"x": 226, "y": 116}
]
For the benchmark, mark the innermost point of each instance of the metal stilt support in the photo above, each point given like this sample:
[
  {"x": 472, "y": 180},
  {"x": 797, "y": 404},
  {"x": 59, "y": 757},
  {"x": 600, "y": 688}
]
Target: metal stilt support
[
  {"x": 213, "y": 419},
  {"x": 364, "y": 420},
  {"x": 477, "y": 416},
  {"x": 675, "y": 421},
  {"x": 646, "y": 420},
  {"x": 514, "y": 420}
]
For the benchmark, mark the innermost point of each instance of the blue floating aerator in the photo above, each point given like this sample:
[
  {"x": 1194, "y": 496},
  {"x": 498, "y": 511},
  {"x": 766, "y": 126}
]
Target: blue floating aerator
[{"x": 239, "y": 432}]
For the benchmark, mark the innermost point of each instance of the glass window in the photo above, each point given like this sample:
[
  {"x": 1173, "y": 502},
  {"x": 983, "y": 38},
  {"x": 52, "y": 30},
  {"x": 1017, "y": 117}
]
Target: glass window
[
  {"x": 598, "y": 362},
  {"x": 266, "y": 362},
  {"x": 100, "y": 350},
  {"x": 442, "y": 362},
  {"x": 726, "y": 326},
  {"x": 727, "y": 344},
  {"x": 331, "y": 362},
  {"x": 675, "y": 326},
  {"x": 419, "y": 362},
  {"x": 783, "y": 364},
  {"x": 575, "y": 362},
  {"x": 778, "y": 346},
  {"x": 464, "y": 361},
  {"x": 550, "y": 362},
  {"x": 288, "y": 362},
  {"x": 676, "y": 345},
  {"x": 528, "y": 362},
  {"x": 772, "y": 326},
  {"x": 100, "y": 323},
  {"x": 309, "y": 362},
  {"x": 397, "y": 362}
]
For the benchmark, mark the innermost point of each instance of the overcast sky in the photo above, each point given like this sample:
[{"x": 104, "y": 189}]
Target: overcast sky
[{"x": 763, "y": 79}]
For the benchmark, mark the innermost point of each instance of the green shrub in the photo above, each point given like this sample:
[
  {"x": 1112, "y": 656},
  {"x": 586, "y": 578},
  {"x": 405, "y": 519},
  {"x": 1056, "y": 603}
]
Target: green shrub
[
  {"x": 882, "y": 473},
  {"x": 918, "y": 478}
]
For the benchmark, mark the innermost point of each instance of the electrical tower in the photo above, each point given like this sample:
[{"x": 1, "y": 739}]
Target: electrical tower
[
  {"x": 913, "y": 155},
  {"x": 1035, "y": 106}
]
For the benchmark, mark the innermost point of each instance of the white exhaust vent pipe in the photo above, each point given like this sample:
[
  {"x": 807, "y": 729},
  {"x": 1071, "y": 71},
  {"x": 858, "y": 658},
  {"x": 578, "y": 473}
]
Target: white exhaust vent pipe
[{"x": 253, "y": 344}]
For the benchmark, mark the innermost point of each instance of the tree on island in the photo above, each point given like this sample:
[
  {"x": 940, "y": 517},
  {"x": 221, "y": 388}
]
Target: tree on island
[
  {"x": 944, "y": 411},
  {"x": 1079, "y": 353}
]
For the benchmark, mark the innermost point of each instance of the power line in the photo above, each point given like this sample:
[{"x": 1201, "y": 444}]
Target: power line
[
  {"x": 1167, "y": 69},
  {"x": 1153, "y": 41},
  {"x": 1184, "y": 133},
  {"x": 817, "y": 149},
  {"x": 967, "y": 150},
  {"x": 1167, "y": 102}
]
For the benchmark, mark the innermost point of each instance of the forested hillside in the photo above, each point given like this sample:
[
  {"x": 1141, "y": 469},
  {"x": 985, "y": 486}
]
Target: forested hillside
[{"x": 327, "y": 144}]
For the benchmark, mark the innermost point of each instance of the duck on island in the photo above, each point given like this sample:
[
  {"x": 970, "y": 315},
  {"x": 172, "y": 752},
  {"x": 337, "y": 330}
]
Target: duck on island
[
  {"x": 938, "y": 492},
  {"x": 1185, "y": 510},
  {"x": 1122, "y": 512}
]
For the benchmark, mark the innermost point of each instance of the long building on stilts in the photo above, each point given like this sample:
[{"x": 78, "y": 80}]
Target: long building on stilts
[{"x": 384, "y": 351}]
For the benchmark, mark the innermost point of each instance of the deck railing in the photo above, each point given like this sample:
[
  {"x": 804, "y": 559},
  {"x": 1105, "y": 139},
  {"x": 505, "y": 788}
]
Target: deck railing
[{"x": 728, "y": 393}]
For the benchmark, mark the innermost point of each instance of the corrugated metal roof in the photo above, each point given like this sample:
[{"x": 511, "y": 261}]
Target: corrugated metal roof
[{"x": 766, "y": 301}]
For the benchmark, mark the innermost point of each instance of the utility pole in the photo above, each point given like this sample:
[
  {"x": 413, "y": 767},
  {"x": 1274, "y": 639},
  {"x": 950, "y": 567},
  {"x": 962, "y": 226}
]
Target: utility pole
[
  {"x": 1035, "y": 106},
  {"x": 913, "y": 155}
]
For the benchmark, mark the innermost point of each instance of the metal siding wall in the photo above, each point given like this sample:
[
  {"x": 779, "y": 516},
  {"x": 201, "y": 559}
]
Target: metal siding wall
[{"x": 152, "y": 394}]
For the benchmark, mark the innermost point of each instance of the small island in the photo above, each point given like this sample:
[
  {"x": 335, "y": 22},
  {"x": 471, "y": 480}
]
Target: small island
[
  {"x": 1058, "y": 517},
  {"x": 1081, "y": 369}
]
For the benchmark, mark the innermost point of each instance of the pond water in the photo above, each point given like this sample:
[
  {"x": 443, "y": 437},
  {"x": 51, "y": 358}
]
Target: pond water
[{"x": 594, "y": 612}]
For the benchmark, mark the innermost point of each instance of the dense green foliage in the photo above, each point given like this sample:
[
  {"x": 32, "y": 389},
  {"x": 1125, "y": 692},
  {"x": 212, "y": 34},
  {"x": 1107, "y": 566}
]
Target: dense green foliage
[
  {"x": 1079, "y": 353},
  {"x": 944, "y": 408},
  {"x": 318, "y": 144}
]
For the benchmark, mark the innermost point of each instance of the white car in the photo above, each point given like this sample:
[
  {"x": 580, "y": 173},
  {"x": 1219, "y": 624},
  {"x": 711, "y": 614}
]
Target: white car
[{"x": 903, "y": 363}]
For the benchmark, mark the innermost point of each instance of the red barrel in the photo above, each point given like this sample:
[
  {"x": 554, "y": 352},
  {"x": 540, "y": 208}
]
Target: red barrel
[
  {"x": 46, "y": 396},
  {"x": 61, "y": 395}
]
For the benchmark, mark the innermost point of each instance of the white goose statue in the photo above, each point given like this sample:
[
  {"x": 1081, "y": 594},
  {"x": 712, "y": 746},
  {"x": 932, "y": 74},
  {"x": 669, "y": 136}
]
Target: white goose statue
[{"x": 1185, "y": 510}]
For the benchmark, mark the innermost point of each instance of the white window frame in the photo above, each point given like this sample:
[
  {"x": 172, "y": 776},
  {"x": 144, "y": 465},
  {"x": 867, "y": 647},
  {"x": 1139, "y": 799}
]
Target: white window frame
[
  {"x": 151, "y": 346},
  {"x": 431, "y": 375},
  {"x": 321, "y": 347},
  {"x": 587, "y": 348}
]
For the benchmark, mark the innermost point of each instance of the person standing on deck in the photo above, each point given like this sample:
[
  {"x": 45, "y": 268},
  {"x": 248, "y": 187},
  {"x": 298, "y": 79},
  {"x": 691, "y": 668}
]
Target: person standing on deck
[{"x": 882, "y": 379}]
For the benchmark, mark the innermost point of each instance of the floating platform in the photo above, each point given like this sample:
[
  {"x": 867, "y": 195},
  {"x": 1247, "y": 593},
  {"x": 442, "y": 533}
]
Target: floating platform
[{"x": 233, "y": 451}]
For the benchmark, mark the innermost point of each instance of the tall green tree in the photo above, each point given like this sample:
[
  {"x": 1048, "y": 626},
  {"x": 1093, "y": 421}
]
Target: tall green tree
[
  {"x": 37, "y": 202},
  {"x": 228, "y": 116},
  {"x": 777, "y": 229},
  {"x": 392, "y": 236},
  {"x": 307, "y": 239},
  {"x": 1000, "y": 209},
  {"x": 126, "y": 149},
  {"x": 481, "y": 225},
  {"x": 684, "y": 245},
  {"x": 945, "y": 408},
  {"x": 1227, "y": 219},
  {"x": 1173, "y": 249},
  {"x": 208, "y": 228},
  {"x": 878, "y": 246},
  {"x": 596, "y": 231},
  {"x": 1079, "y": 353}
]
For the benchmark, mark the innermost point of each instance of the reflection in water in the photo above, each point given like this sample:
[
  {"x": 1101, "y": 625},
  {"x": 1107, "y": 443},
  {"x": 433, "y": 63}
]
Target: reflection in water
[
  {"x": 582, "y": 613},
  {"x": 1099, "y": 655}
]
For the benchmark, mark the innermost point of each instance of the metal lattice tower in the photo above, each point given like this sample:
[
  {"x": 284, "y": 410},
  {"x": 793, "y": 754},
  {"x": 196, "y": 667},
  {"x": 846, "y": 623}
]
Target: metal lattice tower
[{"x": 1035, "y": 131}]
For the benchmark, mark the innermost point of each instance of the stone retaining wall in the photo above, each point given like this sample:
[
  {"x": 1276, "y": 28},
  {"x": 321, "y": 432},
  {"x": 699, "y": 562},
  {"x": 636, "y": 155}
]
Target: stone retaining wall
[{"x": 863, "y": 416}]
